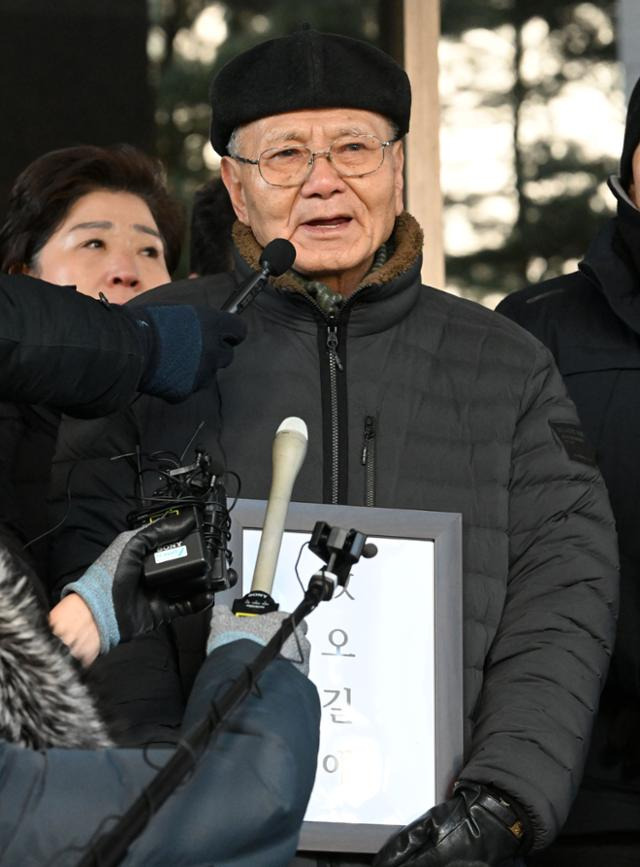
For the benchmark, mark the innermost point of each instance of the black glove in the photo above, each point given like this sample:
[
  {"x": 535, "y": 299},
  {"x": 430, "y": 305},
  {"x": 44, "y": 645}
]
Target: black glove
[
  {"x": 475, "y": 825},
  {"x": 112, "y": 586},
  {"x": 185, "y": 345}
]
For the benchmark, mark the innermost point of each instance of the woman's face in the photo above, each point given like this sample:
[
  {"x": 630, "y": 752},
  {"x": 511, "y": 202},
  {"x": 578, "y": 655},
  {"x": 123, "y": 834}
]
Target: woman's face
[{"x": 108, "y": 242}]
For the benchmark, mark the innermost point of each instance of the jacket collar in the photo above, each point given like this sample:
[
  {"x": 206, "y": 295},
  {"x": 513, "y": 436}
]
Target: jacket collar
[
  {"x": 609, "y": 263},
  {"x": 394, "y": 287}
]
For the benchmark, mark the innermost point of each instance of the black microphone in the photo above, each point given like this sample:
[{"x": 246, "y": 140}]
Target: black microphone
[{"x": 277, "y": 257}]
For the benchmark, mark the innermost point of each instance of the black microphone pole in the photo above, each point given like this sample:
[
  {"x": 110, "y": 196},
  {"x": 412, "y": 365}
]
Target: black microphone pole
[{"x": 277, "y": 257}]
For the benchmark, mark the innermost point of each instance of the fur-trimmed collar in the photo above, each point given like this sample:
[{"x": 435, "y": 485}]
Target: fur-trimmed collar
[
  {"x": 407, "y": 239},
  {"x": 43, "y": 702}
]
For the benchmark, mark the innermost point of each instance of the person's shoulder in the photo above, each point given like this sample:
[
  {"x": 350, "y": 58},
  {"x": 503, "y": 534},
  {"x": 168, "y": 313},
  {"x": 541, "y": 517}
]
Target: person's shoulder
[
  {"x": 463, "y": 316},
  {"x": 211, "y": 290},
  {"x": 550, "y": 298},
  {"x": 554, "y": 309}
]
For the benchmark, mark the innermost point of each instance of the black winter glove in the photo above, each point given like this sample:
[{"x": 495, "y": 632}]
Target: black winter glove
[
  {"x": 474, "y": 825},
  {"x": 112, "y": 586},
  {"x": 185, "y": 345}
]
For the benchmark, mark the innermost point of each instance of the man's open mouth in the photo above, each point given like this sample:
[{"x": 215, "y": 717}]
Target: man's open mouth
[{"x": 329, "y": 222}]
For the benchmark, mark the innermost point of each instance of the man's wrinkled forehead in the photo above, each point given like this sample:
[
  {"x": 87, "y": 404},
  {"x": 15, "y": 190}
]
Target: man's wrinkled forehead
[{"x": 322, "y": 125}]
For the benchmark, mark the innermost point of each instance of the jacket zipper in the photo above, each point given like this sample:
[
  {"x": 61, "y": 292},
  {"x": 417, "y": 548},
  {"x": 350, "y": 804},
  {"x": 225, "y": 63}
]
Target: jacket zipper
[
  {"x": 335, "y": 365},
  {"x": 368, "y": 460}
]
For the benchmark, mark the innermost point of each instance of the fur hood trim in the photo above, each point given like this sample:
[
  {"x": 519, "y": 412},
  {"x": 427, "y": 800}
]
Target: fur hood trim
[
  {"x": 407, "y": 239},
  {"x": 43, "y": 702}
]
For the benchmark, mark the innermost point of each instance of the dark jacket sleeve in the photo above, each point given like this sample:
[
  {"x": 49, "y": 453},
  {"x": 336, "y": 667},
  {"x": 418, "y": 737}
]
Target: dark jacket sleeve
[
  {"x": 12, "y": 433},
  {"x": 94, "y": 480},
  {"x": 549, "y": 660},
  {"x": 242, "y": 805},
  {"x": 66, "y": 350}
]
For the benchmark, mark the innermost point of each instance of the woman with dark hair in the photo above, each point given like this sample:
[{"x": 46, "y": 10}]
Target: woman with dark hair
[{"x": 57, "y": 184}]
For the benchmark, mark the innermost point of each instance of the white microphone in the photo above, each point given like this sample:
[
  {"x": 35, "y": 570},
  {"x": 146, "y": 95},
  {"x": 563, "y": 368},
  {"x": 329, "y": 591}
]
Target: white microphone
[{"x": 288, "y": 453}]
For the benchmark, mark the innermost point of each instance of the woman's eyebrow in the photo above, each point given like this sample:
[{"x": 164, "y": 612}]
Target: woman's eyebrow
[
  {"x": 107, "y": 224},
  {"x": 93, "y": 224},
  {"x": 148, "y": 230}
]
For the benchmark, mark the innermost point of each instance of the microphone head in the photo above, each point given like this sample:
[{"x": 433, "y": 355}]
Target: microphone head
[
  {"x": 290, "y": 445},
  {"x": 278, "y": 256},
  {"x": 294, "y": 425}
]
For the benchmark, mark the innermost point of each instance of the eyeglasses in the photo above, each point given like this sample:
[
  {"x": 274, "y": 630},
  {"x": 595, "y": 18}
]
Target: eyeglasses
[{"x": 352, "y": 156}]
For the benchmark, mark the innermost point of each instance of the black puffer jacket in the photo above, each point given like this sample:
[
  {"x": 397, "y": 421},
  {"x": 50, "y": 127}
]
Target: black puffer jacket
[
  {"x": 591, "y": 322},
  {"x": 459, "y": 411},
  {"x": 57, "y": 349}
]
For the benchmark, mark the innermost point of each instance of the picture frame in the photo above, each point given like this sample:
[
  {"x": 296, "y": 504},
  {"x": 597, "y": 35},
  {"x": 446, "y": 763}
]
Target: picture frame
[{"x": 387, "y": 661}]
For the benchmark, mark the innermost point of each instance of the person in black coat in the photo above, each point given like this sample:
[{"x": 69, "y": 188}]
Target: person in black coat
[
  {"x": 71, "y": 220},
  {"x": 590, "y": 320}
]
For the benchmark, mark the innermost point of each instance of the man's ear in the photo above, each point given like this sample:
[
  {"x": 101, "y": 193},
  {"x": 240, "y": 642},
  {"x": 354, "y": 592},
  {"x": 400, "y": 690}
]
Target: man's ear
[
  {"x": 230, "y": 174},
  {"x": 398, "y": 177}
]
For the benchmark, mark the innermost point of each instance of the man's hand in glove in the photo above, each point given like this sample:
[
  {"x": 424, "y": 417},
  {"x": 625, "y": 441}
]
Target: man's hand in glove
[
  {"x": 476, "y": 824},
  {"x": 184, "y": 346},
  {"x": 112, "y": 589}
]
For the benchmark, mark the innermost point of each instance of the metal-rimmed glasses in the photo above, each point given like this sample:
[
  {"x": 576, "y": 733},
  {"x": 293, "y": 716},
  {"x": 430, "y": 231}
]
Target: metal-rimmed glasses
[{"x": 352, "y": 156}]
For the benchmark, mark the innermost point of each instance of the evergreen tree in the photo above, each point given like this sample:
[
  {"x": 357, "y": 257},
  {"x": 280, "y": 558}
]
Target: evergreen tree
[{"x": 555, "y": 216}]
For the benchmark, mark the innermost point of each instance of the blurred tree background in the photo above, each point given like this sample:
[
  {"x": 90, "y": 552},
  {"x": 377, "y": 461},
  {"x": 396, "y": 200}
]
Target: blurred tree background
[
  {"x": 532, "y": 106},
  {"x": 532, "y": 113},
  {"x": 532, "y": 123}
]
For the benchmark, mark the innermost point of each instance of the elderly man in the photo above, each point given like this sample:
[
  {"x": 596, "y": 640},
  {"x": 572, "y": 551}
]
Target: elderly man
[{"x": 414, "y": 399}]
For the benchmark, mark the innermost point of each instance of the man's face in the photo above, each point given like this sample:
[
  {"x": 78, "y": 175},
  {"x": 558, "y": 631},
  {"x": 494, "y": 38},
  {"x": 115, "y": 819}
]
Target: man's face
[
  {"x": 108, "y": 242},
  {"x": 634, "y": 189},
  {"x": 336, "y": 224}
]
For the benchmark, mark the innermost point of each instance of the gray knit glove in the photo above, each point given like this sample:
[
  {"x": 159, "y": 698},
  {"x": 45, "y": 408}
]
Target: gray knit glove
[
  {"x": 112, "y": 586},
  {"x": 227, "y": 627}
]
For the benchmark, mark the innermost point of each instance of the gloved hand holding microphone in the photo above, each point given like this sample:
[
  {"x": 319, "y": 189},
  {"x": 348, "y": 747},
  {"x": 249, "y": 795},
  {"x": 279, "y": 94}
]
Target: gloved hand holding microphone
[{"x": 185, "y": 344}]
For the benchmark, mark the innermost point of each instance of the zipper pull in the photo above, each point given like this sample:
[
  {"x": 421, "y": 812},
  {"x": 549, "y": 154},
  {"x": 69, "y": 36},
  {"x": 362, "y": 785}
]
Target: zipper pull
[
  {"x": 369, "y": 433},
  {"x": 332, "y": 345}
]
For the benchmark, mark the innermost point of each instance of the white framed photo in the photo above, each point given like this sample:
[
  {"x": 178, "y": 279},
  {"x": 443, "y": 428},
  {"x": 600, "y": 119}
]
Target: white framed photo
[{"x": 386, "y": 658}]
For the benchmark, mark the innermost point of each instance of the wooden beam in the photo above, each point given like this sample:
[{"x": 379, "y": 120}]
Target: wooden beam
[{"x": 424, "y": 198}]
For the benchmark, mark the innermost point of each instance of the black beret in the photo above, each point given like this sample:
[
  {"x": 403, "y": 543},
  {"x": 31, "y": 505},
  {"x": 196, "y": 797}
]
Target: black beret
[
  {"x": 631, "y": 137},
  {"x": 307, "y": 70}
]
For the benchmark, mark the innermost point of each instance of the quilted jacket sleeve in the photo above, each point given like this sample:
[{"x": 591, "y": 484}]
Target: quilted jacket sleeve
[
  {"x": 242, "y": 805},
  {"x": 549, "y": 660},
  {"x": 63, "y": 349}
]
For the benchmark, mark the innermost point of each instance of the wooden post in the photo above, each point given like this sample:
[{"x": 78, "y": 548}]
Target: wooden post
[{"x": 424, "y": 198}]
